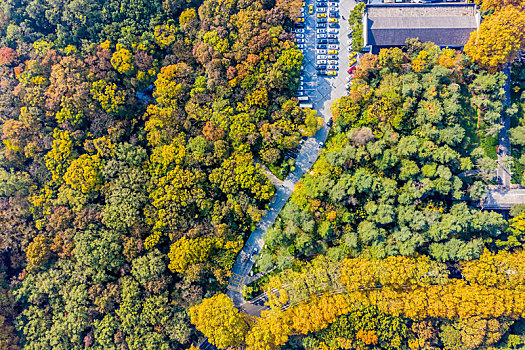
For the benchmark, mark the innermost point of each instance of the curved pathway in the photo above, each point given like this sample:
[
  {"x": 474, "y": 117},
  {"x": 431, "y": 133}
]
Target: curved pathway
[{"x": 322, "y": 91}]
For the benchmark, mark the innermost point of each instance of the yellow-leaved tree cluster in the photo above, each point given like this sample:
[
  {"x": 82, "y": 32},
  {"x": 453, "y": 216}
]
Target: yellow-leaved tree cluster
[{"x": 413, "y": 287}]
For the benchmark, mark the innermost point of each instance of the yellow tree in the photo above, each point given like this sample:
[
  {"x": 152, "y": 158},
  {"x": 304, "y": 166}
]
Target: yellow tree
[
  {"x": 498, "y": 38},
  {"x": 219, "y": 320}
]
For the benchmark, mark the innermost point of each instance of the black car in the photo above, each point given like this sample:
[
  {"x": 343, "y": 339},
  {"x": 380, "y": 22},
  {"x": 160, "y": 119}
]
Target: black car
[
  {"x": 322, "y": 41},
  {"x": 322, "y": 4},
  {"x": 333, "y": 25},
  {"x": 322, "y": 20},
  {"x": 332, "y": 41},
  {"x": 329, "y": 123},
  {"x": 334, "y": 14},
  {"x": 321, "y": 72},
  {"x": 321, "y": 67},
  {"x": 321, "y": 25},
  {"x": 321, "y": 46},
  {"x": 299, "y": 25}
]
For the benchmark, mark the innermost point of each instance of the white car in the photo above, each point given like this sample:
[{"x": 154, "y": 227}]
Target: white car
[
  {"x": 333, "y": 62},
  {"x": 301, "y": 46},
  {"x": 321, "y": 62},
  {"x": 321, "y": 51},
  {"x": 333, "y": 30},
  {"x": 321, "y": 57},
  {"x": 299, "y": 35},
  {"x": 301, "y": 78},
  {"x": 321, "y": 36},
  {"x": 300, "y": 41},
  {"x": 349, "y": 78},
  {"x": 299, "y": 30},
  {"x": 347, "y": 86},
  {"x": 333, "y": 47},
  {"x": 332, "y": 67},
  {"x": 300, "y": 93},
  {"x": 333, "y": 4},
  {"x": 321, "y": 31},
  {"x": 333, "y": 9},
  {"x": 332, "y": 36},
  {"x": 321, "y": 9}
]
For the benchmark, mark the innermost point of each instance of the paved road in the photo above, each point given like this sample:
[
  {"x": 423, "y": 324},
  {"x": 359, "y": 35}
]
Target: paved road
[
  {"x": 503, "y": 199},
  {"x": 323, "y": 91},
  {"x": 504, "y": 141}
]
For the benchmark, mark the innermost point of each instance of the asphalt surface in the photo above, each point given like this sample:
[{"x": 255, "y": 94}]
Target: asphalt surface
[{"x": 322, "y": 92}]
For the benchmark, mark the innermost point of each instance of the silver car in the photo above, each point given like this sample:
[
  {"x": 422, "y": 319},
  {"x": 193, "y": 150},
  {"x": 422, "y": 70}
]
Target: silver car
[
  {"x": 321, "y": 9},
  {"x": 299, "y": 30},
  {"x": 321, "y": 51},
  {"x": 321, "y": 57},
  {"x": 333, "y": 9},
  {"x": 333, "y": 62},
  {"x": 333, "y": 30},
  {"x": 321, "y": 31},
  {"x": 333, "y": 47},
  {"x": 321, "y": 36}
]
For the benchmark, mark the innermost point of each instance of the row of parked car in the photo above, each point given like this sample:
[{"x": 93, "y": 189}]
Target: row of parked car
[{"x": 327, "y": 43}]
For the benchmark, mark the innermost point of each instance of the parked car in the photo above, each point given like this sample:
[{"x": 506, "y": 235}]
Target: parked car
[
  {"x": 301, "y": 46},
  {"x": 321, "y": 52},
  {"x": 300, "y": 19},
  {"x": 333, "y": 4},
  {"x": 351, "y": 70},
  {"x": 331, "y": 72},
  {"x": 333, "y": 62},
  {"x": 300, "y": 41},
  {"x": 332, "y": 52},
  {"x": 299, "y": 25},
  {"x": 321, "y": 46},
  {"x": 299, "y": 35},
  {"x": 321, "y": 72},
  {"x": 333, "y": 30},
  {"x": 332, "y": 57},
  {"x": 333, "y": 46},
  {"x": 322, "y": 4},
  {"x": 352, "y": 62},
  {"x": 353, "y": 54},
  {"x": 299, "y": 30},
  {"x": 329, "y": 124},
  {"x": 332, "y": 20},
  {"x": 310, "y": 8},
  {"x": 333, "y": 25},
  {"x": 332, "y": 67},
  {"x": 332, "y": 36},
  {"x": 332, "y": 41},
  {"x": 321, "y": 31},
  {"x": 321, "y": 36},
  {"x": 322, "y": 41},
  {"x": 320, "y": 67},
  {"x": 333, "y": 14},
  {"x": 321, "y": 9},
  {"x": 321, "y": 62},
  {"x": 321, "y": 15},
  {"x": 320, "y": 25},
  {"x": 322, "y": 19},
  {"x": 321, "y": 57},
  {"x": 333, "y": 9}
]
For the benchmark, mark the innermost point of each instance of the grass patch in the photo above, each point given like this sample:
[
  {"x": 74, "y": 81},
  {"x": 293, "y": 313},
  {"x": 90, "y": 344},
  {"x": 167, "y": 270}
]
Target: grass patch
[{"x": 490, "y": 145}]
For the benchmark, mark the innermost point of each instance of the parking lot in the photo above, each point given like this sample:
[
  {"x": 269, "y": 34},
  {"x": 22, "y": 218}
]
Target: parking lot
[{"x": 322, "y": 34}]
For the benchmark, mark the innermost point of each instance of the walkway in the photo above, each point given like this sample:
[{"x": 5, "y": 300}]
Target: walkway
[
  {"x": 323, "y": 91},
  {"x": 504, "y": 141}
]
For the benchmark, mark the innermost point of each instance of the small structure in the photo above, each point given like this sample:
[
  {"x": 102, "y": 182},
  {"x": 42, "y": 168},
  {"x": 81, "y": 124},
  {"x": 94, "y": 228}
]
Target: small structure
[{"x": 445, "y": 24}]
